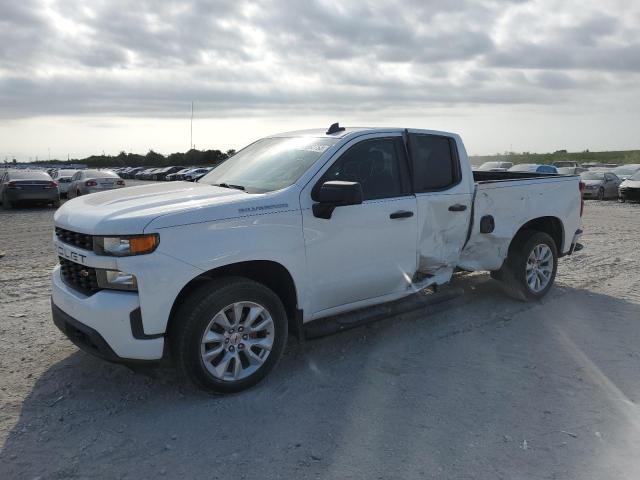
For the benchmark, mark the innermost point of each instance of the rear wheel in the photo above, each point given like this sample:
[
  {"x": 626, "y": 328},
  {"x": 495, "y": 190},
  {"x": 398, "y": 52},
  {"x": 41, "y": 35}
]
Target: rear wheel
[
  {"x": 531, "y": 266},
  {"x": 229, "y": 334}
]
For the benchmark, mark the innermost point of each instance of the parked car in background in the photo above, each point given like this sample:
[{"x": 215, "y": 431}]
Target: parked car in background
[
  {"x": 84, "y": 182},
  {"x": 162, "y": 173},
  {"x": 625, "y": 171},
  {"x": 533, "y": 168},
  {"x": 565, "y": 163},
  {"x": 128, "y": 174},
  {"x": 591, "y": 165},
  {"x": 143, "y": 173},
  {"x": 179, "y": 175},
  {"x": 600, "y": 185},
  {"x": 495, "y": 166},
  {"x": 33, "y": 186},
  {"x": 63, "y": 177},
  {"x": 570, "y": 170},
  {"x": 630, "y": 188},
  {"x": 195, "y": 174}
]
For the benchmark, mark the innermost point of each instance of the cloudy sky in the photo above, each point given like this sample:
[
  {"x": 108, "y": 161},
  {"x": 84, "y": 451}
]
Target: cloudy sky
[{"x": 82, "y": 77}]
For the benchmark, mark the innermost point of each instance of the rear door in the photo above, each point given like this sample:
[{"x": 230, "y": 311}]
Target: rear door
[
  {"x": 363, "y": 251},
  {"x": 444, "y": 199}
]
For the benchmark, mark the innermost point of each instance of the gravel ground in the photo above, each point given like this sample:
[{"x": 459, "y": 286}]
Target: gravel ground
[{"x": 486, "y": 388}]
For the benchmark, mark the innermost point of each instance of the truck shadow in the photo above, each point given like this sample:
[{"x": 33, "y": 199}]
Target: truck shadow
[{"x": 487, "y": 388}]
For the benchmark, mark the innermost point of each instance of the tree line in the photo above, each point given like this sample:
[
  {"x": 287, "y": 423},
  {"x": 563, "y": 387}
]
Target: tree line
[{"x": 151, "y": 159}]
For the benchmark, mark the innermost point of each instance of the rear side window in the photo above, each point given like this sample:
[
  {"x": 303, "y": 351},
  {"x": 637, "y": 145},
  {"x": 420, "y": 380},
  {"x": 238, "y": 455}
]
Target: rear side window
[
  {"x": 435, "y": 162},
  {"x": 376, "y": 164}
]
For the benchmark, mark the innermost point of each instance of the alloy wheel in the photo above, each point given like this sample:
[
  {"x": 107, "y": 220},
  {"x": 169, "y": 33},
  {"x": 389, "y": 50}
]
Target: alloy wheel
[
  {"x": 237, "y": 341},
  {"x": 539, "y": 267}
]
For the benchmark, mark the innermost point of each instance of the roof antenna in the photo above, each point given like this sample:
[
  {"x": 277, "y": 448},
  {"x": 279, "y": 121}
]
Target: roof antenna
[{"x": 335, "y": 128}]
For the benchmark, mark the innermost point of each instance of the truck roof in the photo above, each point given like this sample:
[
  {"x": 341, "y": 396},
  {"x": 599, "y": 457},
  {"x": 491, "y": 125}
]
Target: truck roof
[{"x": 351, "y": 131}]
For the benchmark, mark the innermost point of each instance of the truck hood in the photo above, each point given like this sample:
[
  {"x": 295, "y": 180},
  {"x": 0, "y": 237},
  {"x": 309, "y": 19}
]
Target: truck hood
[{"x": 127, "y": 211}]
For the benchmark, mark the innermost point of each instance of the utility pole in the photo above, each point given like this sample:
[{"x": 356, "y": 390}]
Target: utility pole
[{"x": 191, "y": 138}]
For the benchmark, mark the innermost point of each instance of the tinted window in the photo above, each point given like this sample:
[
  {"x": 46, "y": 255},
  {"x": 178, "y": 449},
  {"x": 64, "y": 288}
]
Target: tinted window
[
  {"x": 435, "y": 162},
  {"x": 374, "y": 164}
]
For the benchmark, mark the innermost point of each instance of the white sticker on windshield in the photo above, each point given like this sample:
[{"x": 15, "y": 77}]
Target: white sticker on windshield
[{"x": 318, "y": 148}]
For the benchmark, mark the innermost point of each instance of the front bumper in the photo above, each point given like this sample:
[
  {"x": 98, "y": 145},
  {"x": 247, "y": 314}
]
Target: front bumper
[
  {"x": 104, "y": 324},
  {"x": 49, "y": 195},
  {"x": 629, "y": 193}
]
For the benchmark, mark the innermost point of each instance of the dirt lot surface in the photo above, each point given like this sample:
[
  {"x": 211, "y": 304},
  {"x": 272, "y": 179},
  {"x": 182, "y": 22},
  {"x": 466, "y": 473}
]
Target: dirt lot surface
[{"x": 486, "y": 388}]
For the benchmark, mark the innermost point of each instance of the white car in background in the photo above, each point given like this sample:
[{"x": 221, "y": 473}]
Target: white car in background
[
  {"x": 63, "y": 177},
  {"x": 92, "y": 181},
  {"x": 195, "y": 174},
  {"x": 495, "y": 166},
  {"x": 626, "y": 171}
]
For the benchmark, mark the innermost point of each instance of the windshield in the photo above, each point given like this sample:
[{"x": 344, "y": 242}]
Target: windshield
[
  {"x": 592, "y": 176},
  {"x": 523, "y": 167},
  {"x": 489, "y": 165},
  {"x": 635, "y": 176},
  {"x": 269, "y": 164},
  {"x": 626, "y": 170}
]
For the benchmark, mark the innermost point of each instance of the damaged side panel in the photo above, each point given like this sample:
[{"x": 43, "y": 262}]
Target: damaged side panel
[{"x": 512, "y": 205}]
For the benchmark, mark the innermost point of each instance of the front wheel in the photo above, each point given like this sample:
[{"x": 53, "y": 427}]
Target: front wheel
[
  {"x": 531, "y": 265},
  {"x": 229, "y": 334}
]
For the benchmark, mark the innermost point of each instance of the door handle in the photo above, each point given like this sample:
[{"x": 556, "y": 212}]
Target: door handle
[
  {"x": 457, "y": 208},
  {"x": 401, "y": 214}
]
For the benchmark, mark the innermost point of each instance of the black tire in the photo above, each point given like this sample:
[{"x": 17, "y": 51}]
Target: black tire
[
  {"x": 622, "y": 199},
  {"x": 513, "y": 273},
  {"x": 195, "y": 314},
  {"x": 78, "y": 193},
  {"x": 601, "y": 194},
  {"x": 56, "y": 204},
  {"x": 6, "y": 204}
]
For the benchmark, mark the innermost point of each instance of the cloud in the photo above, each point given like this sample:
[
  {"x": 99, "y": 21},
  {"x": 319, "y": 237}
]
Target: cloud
[{"x": 147, "y": 58}]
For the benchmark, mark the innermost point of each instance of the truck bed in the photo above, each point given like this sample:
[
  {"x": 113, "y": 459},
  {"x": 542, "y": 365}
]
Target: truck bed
[{"x": 511, "y": 199}]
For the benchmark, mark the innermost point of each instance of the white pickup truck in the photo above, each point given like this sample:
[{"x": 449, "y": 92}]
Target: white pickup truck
[{"x": 293, "y": 228}]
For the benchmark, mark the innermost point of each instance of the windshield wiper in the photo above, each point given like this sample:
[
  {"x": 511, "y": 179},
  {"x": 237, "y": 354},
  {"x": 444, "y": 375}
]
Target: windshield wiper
[{"x": 228, "y": 185}]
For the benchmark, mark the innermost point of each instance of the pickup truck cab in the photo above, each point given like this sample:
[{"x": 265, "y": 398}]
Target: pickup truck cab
[{"x": 293, "y": 228}]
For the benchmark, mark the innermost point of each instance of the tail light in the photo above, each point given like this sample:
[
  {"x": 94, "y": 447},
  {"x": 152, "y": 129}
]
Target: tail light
[
  {"x": 120, "y": 182},
  {"x": 91, "y": 183},
  {"x": 51, "y": 185},
  {"x": 581, "y": 186}
]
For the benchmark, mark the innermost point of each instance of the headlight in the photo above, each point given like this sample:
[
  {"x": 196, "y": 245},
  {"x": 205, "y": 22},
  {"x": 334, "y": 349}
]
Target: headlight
[
  {"x": 116, "y": 280},
  {"x": 122, "y": 246}
]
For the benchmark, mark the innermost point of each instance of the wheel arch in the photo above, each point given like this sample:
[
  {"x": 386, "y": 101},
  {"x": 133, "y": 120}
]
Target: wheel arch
[
  {"x": 550, "y": 225},
  {"x": 272, "y": 274}
]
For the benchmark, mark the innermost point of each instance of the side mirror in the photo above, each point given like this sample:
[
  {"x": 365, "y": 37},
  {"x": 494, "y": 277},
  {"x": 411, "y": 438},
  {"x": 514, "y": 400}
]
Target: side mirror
[{"x": 335, "y": 194}]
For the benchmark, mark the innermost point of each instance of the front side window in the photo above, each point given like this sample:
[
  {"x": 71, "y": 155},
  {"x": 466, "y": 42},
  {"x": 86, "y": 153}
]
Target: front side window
[
  {"x": 435, "y": 162},
  {"x": 375, "y": 164}
]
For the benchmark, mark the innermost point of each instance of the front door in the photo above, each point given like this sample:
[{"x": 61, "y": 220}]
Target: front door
[{"x": 369, "y": 250}]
